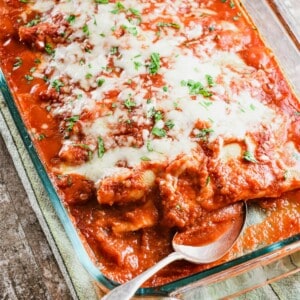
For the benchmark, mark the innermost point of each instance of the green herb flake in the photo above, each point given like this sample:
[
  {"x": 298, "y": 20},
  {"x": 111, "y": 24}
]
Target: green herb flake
[
  {"x": 114, "y": 50},
  {"x": 85, "y": 29},
  {"x": 149, "y": 146},
  {"x": 137, "y": 65},
  {"x": 18, "y": 63},
  {"x": 119, "y": 7},
  {"x": 170, "y": 124},
  {"x": 37, "y": 61},
  {"x": 28, "y": 77},
  {"x": 205, "y": 104},
  {"x": 171, "y": 24},
  {"x": 101, "y": 1},
  {"x": 129, "y": 103},
  {"x": 158, "y": 115},
  {"x": 131, "y": 30},
  {"x": 154, "y": 63},
  {"x": 49, "y": 49},
  {"x": 203, "y": 133},
  {"x": 207, "y": 181},
  {"x": 134, "y": 11},
  {"x": 41, "y": 136},
  {"x": 101, "y": 148},
  {"x": 210, "y": 80},
  {"x": 145, "y": 158},
  {"x": 70, "y": 122},
  {"x": 165, "y": 88},
  {"x": 57, "y": 84},
  {"x": 33, "y": 22},
  {"x": 159, "y": 132},
  {"x": 88, "y": 76},
  {"x": 248, "y": 156},
  {"x": 71, "y": 19},
  {"x": 100, "y": 81}
]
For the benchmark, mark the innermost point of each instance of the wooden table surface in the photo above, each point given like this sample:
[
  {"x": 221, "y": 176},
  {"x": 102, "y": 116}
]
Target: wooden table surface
[{"x": 28, "y": 269}]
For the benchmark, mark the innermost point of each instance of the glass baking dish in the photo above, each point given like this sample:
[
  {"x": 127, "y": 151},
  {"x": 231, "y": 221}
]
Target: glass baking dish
[{"x": 239, "y": 275}]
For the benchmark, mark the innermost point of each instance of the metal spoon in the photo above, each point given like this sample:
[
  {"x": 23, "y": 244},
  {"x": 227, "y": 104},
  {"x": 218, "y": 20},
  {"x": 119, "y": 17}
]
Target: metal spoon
[{"x": 197, "y": 254}]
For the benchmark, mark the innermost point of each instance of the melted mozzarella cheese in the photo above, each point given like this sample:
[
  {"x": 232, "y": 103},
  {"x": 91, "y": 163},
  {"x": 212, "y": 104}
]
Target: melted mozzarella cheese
[{"x": 101, "y": 36}]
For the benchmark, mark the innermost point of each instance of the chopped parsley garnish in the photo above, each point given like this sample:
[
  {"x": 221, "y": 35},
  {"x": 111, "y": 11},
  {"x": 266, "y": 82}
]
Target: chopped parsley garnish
[
  {"x": 18, "y": 63},
  {"x": 71, "y": 19},
  {"x": 131, "y": 30},
  {"x": 100, "y": 82},
  {"x": 70, "y": 122},
  {"x": 28, "y": 77},
  {"x": 231, "y": 4},
  {"x": 118, "y": 8},
  {"x": 129, "y": 103},
  {"x": 137, "y": 65},
  {"x": 88, "y": 76},
  {"x": 151, "y": 112},
  {"x": 49, "y": 49},
  {"x": 41, "y": 136},
  {"x": 206, "y": 104},
  {"x": 165, "y": 88},
  {"x": 134, "y": 11},
  {"x": 145, "y": 158},
  {"x": 101, "y": 149},
  {"x": 57, "y": 84},
  {"x": 102, "y": 1},
  {"x": 249, "y": 157},
  {"x": 196, "y": 88},
  {"x": 114, "y": 50},
  {"x": 32, "y": 70},
  {"x": 154, "y": 63},
  {"x": 164, "y": 24},
  {"x": 149, "y": 146},
  {"x": 158, "y": 115},
  {"x": 170, "y": 124},
  {"x": 85, "y": 29},
  {"x": 210, "y": 80},
  {"x": 160, "y": 132},
  {"x": 203, "y": 133},
  {"x": 33, "y": 22},
  {"x": 37, "y": 61}
]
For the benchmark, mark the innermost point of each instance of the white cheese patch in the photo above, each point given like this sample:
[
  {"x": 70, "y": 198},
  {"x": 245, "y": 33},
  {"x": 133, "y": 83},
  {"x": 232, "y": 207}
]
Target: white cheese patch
[{"x": 105, "y": 35}]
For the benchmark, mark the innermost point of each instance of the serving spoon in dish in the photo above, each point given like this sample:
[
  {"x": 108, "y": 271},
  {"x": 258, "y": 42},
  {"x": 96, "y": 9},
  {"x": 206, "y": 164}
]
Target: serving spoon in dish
[{"x": 202, "y": 254}]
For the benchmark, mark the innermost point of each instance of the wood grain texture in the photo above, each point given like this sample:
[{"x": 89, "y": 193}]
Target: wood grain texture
[{"x": 28, "y": 268}]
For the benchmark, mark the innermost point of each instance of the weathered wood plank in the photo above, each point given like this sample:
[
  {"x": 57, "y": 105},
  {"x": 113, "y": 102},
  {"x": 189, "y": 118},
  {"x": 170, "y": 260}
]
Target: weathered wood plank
[{"x": 28, "y": 268}]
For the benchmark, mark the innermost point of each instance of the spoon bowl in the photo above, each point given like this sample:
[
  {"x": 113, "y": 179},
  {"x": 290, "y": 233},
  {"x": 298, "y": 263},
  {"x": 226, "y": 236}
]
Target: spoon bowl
[{"x": 200, "y": 254}]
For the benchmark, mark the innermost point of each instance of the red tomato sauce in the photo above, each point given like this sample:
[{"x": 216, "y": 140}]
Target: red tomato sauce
[{"x": 122, "y": 254}]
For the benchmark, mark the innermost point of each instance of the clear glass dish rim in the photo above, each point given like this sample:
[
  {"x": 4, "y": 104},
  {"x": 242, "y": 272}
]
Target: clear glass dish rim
[{"x": 75, "y": 239}]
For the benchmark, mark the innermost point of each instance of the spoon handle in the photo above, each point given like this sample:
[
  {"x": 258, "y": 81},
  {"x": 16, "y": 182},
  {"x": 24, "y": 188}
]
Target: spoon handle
[{"x": 127, "y": 290}]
